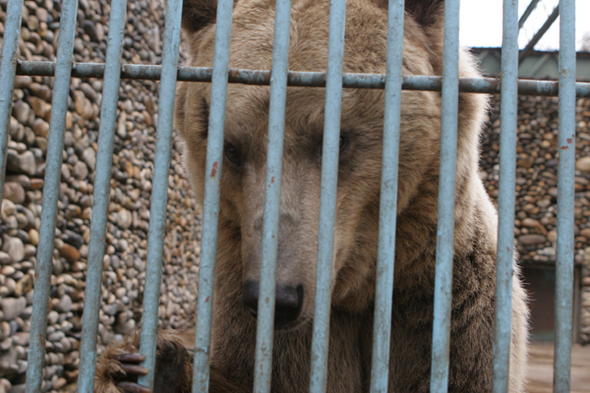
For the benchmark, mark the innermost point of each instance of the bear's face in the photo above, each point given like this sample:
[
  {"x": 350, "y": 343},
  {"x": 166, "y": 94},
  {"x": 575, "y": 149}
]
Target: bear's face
[{"x": 245, "y": 147}]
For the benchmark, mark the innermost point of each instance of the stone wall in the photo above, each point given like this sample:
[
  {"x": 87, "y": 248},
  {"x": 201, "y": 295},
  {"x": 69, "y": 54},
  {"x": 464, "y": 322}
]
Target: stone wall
[
  {"x": 124, "y": 262},
  {"x": 536, "y": 185}
]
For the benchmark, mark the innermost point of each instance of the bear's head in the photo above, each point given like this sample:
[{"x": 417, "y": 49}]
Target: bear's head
[{"x": 359, "y": 173}]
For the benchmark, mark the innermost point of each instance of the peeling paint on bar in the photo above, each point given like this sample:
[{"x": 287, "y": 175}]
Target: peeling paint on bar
[
  {"x": 506, "y": 199},
  {"x": 211, "y": 200},
  {"x": 104, "y": 159},
  {"x": 151, "y": 295},
  {"x": 439, "y": 378},
  {"x": 329, "y": 181},
  {"x": 59, "y": 106},
  {"x": 388, "y": 201},
  {"x": 270, "y": 229},
  {"x": 564, "y": 271}
]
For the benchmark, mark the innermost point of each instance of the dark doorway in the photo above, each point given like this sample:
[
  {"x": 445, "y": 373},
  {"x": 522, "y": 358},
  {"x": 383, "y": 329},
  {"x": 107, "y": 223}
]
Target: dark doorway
[{"x": 540, "y": 286}]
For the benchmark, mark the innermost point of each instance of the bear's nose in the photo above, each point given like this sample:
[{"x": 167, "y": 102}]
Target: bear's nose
[{"x": 288, "y": 302}]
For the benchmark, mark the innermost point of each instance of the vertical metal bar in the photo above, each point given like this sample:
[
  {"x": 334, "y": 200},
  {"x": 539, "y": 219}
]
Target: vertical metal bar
[
  {"x": 388, "y": 200},
  {"x": 14, "y": 14},
  {"x": 329, "y": 182},
  {"x": 566, "y": 196},
  {"x": 59, "y": 107},
  {"x": 211, "y": 202},
  {"x": 506, "y": 202},
  {"x": 104, "y": 160},
  {"x": 446, "y": 202},
  {"x": 151, "y": 296},
  {"x": 274, "y": 166}
]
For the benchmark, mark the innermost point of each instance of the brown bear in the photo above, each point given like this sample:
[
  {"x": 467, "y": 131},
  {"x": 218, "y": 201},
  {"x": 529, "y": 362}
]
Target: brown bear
[{"x": 356, "y": 233}]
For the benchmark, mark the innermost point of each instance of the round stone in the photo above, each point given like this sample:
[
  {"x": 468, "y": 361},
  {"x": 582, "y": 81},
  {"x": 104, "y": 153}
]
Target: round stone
[
  {"x": 65, "y": 304},
  {"x": 70, "y": 253},
  {"x": 14, "y": 247},
  {"x": 24, "y": 285},
  {"x": 532, "y": 239},
  {"x": 124, "y": 219},
  {"x": 13, "y": 307},
  {"x": 583, "y": 164},
  {"x": 14, "y": 192}
]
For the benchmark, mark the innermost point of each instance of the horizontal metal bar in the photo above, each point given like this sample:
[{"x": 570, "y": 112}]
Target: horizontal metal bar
[{"x": 526, "y": 87}]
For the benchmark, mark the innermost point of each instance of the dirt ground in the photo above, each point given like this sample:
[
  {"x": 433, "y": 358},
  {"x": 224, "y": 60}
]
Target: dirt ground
[{"x": 540, "y": 374}]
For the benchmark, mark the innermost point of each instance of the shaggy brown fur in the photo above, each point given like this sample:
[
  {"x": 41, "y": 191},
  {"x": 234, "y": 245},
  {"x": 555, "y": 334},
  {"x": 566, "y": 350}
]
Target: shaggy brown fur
[{"x": 355, "y": 250}]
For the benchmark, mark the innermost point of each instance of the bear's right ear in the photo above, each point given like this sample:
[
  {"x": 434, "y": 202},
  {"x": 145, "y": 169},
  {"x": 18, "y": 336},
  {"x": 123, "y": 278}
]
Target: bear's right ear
[{"x": 197, "y": 14}]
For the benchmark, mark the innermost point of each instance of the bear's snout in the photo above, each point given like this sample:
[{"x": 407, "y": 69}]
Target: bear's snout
[{"x": 288, "y": 302}]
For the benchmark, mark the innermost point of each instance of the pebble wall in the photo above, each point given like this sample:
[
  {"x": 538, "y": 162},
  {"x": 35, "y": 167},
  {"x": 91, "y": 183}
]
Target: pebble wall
[
  {"x": 128, "y": 218},
  {"x": 536, "y": 186}
]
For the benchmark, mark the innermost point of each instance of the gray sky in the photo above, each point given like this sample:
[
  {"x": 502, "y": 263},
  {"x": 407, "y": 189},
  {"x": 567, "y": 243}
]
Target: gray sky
[{"x": 481, "y": 23}]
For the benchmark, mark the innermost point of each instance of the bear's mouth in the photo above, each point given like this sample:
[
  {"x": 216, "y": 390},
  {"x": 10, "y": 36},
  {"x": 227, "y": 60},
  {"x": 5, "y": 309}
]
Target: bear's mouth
[{"x": 281, "y": 325}]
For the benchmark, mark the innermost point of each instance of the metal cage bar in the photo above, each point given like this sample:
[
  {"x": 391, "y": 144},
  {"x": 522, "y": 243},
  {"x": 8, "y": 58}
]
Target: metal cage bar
[
  {"x": 11, "y": 38},
  {"x": 539, "y": 34},
  {"x": 151, "y": 299},
  {"x": 565, "y": 200},
  {"x": 270, "y": 229},
  {"x": 527, "y": 12},
  {"x": 211, "y": 204},
  {"x": 506, "y": 198},
  {"x": 312, "y": 79},
  {"x": 446, "y": 202},
  {"x": 388, "y": 200},
  {"x": 329, "y": 182},
  {"x": 104, "y": 160},
  {"x": 55, "y": 145}
]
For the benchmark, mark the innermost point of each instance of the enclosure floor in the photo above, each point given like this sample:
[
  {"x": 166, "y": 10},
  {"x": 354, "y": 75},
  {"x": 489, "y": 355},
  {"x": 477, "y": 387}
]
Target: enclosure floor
[{"x": 540, "y": 372}]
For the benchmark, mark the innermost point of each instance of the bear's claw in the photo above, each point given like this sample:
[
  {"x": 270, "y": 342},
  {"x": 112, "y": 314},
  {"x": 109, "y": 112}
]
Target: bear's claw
[
  {"x": 131, "y": 357},
  {"x": 132, "y": 387},
  {"x": 129, "y": 360}
]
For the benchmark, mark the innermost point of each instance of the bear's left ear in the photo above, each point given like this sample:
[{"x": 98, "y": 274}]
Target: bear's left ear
[
  {"x": 197, "y": 14},
  {"x": 425, "y": 12}
]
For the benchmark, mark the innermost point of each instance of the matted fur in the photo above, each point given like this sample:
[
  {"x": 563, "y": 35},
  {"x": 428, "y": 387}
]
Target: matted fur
[{"x": 356, "y": 233}]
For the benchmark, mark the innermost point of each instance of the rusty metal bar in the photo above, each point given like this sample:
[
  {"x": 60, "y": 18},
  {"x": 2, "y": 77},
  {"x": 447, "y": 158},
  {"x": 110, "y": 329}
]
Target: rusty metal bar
[{"x": 527, "y": 87}]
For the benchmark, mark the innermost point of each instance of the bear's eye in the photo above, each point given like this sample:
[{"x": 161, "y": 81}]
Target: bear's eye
[
  {"x": 343, "y": 144},
  {"x": 232, "y": 154}
]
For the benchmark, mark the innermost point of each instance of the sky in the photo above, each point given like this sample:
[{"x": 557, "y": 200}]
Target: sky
[{"x": 481, "y": 23}]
